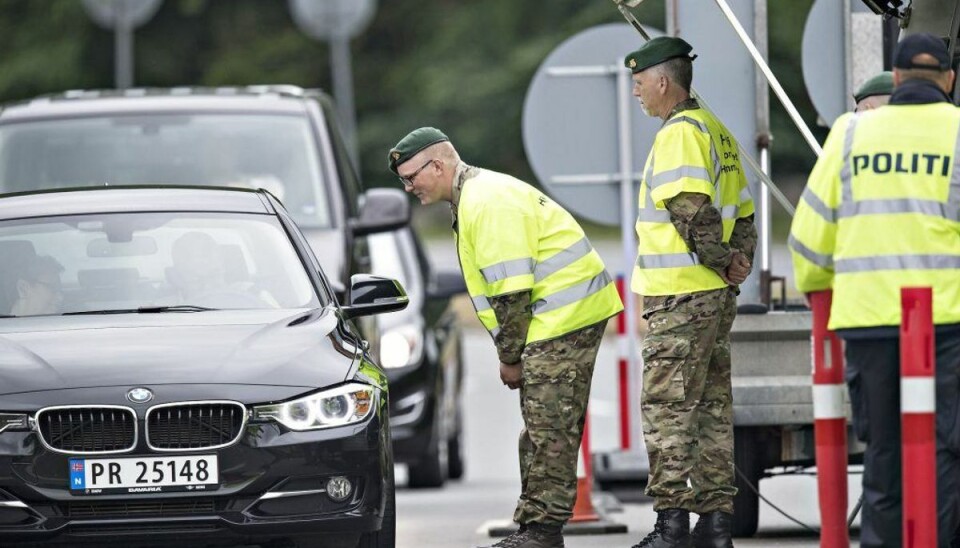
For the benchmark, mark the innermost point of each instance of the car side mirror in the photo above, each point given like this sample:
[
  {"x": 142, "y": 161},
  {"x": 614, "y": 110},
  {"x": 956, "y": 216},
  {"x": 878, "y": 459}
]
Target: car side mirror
[
  {"x": 384, "y": 209},
  {"x": 446, "y": 284},
  {"x": 371, "y": 294}
]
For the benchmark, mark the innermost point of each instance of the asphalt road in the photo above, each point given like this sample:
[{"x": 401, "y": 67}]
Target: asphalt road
[{"x": 459, "y": 514}]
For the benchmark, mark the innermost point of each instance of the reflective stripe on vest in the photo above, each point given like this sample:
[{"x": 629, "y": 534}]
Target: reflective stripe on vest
[
  {"x": 846, "y": 172},
  {"x": 507, "y": 269},
  {"x": 932, "y": 208},
  {"x": 572, "y": 294},
  {"x": 562, "y": 259},
  {"x": 692, "y": 172},
  {"x": 481, "y": 303},
  {"x": 668, "y": 260},
  {"x": 828, "y": 214},
  {"x": 897, "y": 262},
  {"x": 819, "y": 259}
]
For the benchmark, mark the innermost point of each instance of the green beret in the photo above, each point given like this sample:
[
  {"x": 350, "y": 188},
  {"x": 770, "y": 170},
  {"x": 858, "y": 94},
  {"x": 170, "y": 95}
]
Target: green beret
[
  {"x": 656, "y": 51},
  {"x": 881, "y": 84},
  {"x": 414, "y": 142}
]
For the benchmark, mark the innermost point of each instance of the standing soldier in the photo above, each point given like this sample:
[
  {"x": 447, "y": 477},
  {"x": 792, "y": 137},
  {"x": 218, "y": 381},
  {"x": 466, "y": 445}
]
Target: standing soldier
[
  {"x": 542, "y": 291},
  {"x": 696, "y": 240},
  {"x": 881, "y": 211}
]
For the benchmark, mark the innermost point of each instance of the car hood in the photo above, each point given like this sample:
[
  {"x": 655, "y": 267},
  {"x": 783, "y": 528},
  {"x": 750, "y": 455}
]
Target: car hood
[{"x": 296, "y": 348}]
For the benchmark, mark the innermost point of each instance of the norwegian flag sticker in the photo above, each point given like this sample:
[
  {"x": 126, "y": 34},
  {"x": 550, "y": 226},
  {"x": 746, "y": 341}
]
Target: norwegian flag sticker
[{"x": 77, "y": 479}]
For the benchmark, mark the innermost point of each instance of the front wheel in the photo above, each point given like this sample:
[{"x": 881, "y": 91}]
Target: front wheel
[{"x": 431, "y": 470}]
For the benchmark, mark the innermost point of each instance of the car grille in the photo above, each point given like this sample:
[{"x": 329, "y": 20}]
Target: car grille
[
  {"x": 186, "y": 426},
  {"x": 152, "y": 509},
  {"x": 88, "y": 429}
]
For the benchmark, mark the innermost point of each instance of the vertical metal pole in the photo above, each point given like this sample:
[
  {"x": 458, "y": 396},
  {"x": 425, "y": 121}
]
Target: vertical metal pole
[
  {"x": 673, "y": 13},
  {"x": 756, "y": 288},
  {"x": 123, "y": 47},
  {"x": 343, "y": 91},
  {"x": 765, "y": 220},
  {"x": 624, "y": 395},
  {"x": 627, "y": 228},
  {"x": 848, "y": 54}
]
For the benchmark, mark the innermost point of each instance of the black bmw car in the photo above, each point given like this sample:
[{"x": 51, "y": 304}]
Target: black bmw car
[{"x": 174, "y": 368}]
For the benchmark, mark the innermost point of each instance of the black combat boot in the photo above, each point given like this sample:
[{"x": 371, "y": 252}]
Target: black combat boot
[
  {"x": 534, "y": 535},
  {"x": 713, "y": 530},
  {"x": 671, "y": 531}
]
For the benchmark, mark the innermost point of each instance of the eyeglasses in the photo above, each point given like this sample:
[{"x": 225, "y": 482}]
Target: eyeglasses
[{"x": 408, "y": 180}]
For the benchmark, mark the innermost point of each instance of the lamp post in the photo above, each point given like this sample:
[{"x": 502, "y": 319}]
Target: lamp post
[
  {"x": 337, "y": 21},
  {"x": 122, "y": 16}
]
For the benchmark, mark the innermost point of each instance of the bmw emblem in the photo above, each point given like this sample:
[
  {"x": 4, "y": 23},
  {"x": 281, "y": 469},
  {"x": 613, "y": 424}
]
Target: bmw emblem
[{"x": 140, "y": 395}]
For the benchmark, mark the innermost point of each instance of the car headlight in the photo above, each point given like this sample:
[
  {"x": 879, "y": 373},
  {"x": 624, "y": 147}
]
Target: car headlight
[
  {"x": 14, "y": 421},
  {"x": 338, "y": 406},
  {"x": 401, "y": 346}
]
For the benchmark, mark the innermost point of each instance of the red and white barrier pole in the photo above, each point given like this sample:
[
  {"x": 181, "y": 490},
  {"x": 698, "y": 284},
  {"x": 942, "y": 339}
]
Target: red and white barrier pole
[
  {"x": 918, "y": 418},
  {"x": 830, "y": 425},
  {"x": 623, "y": 348}
]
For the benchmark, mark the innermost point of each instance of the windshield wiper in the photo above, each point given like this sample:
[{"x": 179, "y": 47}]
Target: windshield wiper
[
  {"x": 173, "y": 308},
  {"x": 95, "y": 312},
  {"x": 144, "y": 310}
]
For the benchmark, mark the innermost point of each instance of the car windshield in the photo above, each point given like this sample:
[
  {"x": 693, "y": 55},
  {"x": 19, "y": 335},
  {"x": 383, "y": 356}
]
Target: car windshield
[
  {"x": 276, "y": 152},
  {"x": 149, "y": 263}
]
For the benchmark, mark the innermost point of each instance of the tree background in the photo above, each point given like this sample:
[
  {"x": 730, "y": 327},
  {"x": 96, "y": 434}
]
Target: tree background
[{"x": 461, "y": 65}]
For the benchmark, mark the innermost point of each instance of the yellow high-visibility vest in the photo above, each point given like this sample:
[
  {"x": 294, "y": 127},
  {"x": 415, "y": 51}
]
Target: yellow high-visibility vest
[
  {"x": 510, "y": 238},
  {"x": 881, "y": 211},
  {"x": 693, "y": 152}
]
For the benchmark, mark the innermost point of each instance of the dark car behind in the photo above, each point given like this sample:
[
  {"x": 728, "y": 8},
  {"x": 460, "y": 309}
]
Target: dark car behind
[
  {"x": 422, "y": 355},
  {"x": 281, "y": 138}
]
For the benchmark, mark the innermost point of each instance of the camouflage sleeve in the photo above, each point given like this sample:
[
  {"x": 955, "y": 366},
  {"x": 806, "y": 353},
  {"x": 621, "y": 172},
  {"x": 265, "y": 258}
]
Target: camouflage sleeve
[
  {"x": 700, "y": 225},
  {"x": 513, "y": 315},
  {"x": 744, "y": 237}
]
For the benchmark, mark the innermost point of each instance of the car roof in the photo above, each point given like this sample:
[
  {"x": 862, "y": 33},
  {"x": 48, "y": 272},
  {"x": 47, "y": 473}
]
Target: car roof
[
  {"x": 249, "y": 100},
  {"x": 128, "y": 199}
]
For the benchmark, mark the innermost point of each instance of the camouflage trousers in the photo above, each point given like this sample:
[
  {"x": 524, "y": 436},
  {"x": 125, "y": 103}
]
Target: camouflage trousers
[
  {"x": 553, "y": 400},
  {"x": 687, "y": 403}
]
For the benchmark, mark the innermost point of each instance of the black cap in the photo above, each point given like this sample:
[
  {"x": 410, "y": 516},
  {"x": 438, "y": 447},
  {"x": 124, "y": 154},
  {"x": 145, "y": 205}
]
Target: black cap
[{"x": 922, "y": 42}]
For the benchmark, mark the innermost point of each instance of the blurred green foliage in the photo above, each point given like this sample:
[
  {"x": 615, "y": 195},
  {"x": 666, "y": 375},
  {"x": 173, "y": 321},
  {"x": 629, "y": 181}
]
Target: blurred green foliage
[{"x": 461, "y": 65}]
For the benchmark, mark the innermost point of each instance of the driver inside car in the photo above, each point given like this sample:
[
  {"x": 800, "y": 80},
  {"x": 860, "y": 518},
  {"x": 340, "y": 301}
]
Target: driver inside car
[
  {"x": 199, "y": 277},
  {"x": 38, "y": 288}
]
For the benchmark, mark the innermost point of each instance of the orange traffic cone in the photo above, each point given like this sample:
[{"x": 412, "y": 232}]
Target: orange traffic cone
[
  {"x": 586, "y": 520},
  {"x": 583, "y": 508}
]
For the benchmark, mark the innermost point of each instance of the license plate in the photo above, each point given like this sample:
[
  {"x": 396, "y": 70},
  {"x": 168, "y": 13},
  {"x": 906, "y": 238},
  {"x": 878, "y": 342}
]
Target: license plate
[{"x": 135, "y": 475}]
